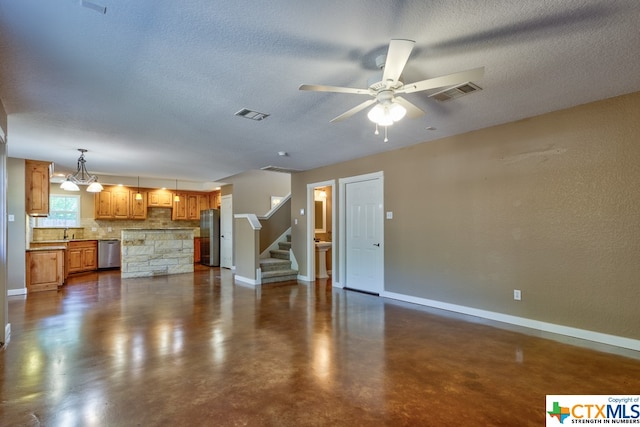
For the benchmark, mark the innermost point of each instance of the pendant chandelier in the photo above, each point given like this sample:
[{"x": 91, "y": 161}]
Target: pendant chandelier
[{"x": 82, "y": 177}]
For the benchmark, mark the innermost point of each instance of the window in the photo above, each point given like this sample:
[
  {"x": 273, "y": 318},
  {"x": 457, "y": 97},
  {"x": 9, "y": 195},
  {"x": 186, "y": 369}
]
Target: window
[{"x": 64, "y": 211}]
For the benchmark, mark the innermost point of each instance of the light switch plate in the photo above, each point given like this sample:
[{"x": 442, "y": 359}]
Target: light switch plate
[
  {"x": 390, "y": 215},
  {"x": 11, "y": 218}
]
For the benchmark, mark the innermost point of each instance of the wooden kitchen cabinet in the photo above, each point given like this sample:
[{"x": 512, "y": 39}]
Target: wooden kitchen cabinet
[
  {"x": 138, "y": 207},
  {"x": 45, "y": 270},
  {"x": 37, "y": 174},
  {"x": 204, "y": 202},
  {"x": 193, "y": 206},
  {"x": 189, "y": 206},
  {"x": 214, "y": 200},
  {"x": 180, "y": 211},
  {"x": 160, "y": 199},
  {"x": 82, "y": 256},
  {"x": 196, "y": 250},
  {"x": 119, "y": 203}
]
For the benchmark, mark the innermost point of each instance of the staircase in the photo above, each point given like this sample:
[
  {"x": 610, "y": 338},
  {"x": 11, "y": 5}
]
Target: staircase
[{"x": 278, "y": 267}]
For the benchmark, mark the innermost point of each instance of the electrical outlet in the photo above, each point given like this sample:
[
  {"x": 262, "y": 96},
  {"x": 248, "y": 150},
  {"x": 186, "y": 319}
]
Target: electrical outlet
[{"x": 517, "y": 295}]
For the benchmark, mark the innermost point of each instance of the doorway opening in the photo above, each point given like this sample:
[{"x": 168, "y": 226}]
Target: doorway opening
[{"x": 321, "y": 215}]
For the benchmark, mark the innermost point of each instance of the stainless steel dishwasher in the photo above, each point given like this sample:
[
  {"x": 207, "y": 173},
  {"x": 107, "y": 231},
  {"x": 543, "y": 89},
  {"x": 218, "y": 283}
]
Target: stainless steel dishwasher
[{"x": 109, "y": 253}]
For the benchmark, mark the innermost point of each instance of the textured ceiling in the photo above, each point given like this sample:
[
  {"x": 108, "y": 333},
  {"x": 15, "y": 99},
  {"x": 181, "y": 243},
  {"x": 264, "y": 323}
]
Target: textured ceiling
[{"x": 151, "y": 87}]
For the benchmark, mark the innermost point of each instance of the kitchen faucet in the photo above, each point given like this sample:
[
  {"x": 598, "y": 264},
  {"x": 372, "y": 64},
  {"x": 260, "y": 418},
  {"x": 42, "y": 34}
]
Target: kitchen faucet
[{"x": 65, "y": 236}]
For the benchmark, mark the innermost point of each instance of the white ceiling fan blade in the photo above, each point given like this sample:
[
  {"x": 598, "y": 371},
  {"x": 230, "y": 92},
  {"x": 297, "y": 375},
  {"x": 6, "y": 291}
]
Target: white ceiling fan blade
[
  {"x": 412, "y": 110},
  {"x": 448, "y": 80},
  {"x": 354, "y": 110},
  {"x": 338, "y": 89},
  {"x": 397, "y": 57}
]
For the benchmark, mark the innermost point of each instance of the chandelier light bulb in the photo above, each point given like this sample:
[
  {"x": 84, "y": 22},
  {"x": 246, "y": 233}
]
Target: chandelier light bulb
[
  {"x": 95, "y": 187},
  {"x": 67, "y": 185}
]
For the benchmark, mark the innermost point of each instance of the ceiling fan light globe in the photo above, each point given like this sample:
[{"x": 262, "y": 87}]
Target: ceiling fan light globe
[
  {"x": 385, "y": 121},
  {"x": 376, "y": 113},
  {"x": 397, "y": 112}
]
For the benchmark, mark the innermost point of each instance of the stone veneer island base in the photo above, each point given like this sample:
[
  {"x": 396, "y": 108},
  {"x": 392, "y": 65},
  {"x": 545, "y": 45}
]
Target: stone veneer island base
[{"x": 156, "y": 252}]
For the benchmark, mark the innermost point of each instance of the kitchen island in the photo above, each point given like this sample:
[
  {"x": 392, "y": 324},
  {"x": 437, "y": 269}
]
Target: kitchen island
[{"x": 156, "y": 252}]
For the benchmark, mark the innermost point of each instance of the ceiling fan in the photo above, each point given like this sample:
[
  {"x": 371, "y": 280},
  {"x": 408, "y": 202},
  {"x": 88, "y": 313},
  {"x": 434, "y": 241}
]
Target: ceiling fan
[{"x": 385, "y": 89}]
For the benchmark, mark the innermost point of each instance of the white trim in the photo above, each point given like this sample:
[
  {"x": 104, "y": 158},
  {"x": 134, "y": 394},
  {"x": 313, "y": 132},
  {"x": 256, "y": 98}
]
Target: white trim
[
  {"x": 253, "y": 220},
  {"x": 304, "y": 278},
  {"x": 7, "y": 334},
  {"x": 14, "y": 292},
  {"x": 246, "y": 280},
  {"x": 293, "y": 259},
  {"x": 342, "y": 221},
  {"x": 275, "y": 208},
  {"x": 584, "y": 334}
]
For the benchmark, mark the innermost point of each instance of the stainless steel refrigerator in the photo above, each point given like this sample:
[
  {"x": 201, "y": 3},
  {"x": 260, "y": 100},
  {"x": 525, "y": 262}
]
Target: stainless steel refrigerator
[{"x": 210, "y": 237}]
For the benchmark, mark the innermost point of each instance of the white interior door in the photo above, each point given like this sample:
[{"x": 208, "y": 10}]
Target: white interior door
[
  {"x": 226, "y": 231},
  {"x": 364, "y": 235}
]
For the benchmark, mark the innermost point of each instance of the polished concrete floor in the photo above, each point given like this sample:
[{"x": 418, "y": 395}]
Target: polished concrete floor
[{"x": 194, "y": 349}]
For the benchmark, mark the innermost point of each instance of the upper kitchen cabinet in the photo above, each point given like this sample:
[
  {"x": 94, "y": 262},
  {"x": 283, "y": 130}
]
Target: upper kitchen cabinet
[
  {"x": 214, "y": 200},
  {"x": 180, "y": 210},
  {"x": 160, "y": 199},
  {"x": 138, "y": 207},
  {"x": 113, "y": 203},
  {"x": 189, "y": 206},
  {"x": 37, "y": 174},
  {"x": 204, "y": 203}
]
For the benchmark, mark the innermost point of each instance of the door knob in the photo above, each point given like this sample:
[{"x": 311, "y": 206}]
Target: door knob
[{"x": 376, "y": 244}]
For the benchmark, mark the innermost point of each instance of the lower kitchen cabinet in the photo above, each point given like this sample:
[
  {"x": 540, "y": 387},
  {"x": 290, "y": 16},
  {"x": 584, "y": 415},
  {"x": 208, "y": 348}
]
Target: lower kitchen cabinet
[
  {"x": 196, "y": 250},
  {"x": 45, "y": 269},
  {"x": 82, "y": 256}
]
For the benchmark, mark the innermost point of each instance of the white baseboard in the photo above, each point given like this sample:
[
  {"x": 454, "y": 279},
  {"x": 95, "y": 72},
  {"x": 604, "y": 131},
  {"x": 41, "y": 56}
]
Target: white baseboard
[
  {"x": 338, "y": 285},
  {"x": 12, "y": 292},
  {"x": 246, "y": 281},
  {"x": 303, "y": 278},
  {"x": 598, "y": 337}
]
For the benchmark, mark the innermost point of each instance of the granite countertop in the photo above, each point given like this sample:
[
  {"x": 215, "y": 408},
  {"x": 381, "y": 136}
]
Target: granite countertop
[
  {"x": 47, "y": 248},
  {"x": 160, "y": 229},
  {"x": 63, "y": 241}
]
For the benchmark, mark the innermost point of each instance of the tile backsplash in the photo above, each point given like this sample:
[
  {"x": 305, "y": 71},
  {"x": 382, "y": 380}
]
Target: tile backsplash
[{"x": 159, "y": 218}]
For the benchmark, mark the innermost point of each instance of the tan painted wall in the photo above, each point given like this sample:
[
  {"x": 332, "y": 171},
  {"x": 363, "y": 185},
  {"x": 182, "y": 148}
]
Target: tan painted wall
[
  {"x": 4, "y": 316},
  {"x": 252, "y": 190},
  {"x": 16, "y": 271},
  {"x": 246, "y": 249},
  {"x": 549, "y": 205}
]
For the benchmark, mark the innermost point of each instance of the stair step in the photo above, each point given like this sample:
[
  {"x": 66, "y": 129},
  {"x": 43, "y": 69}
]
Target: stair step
[
  {"x": 279, "y": 276},
  {"x": 279, "y": 254},
  {"x": 274, "y": 264},
  {"x": 285, "y": 246}
]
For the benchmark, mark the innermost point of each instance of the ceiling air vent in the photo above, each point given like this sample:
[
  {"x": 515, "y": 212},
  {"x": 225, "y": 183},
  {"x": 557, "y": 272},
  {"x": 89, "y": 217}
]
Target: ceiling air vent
[
  {"x": 455, "y": 92},
  {"x": 94, "y": 6},
  {"x": 250, "y": 114},
  {"x": 279, "y": 169}
]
